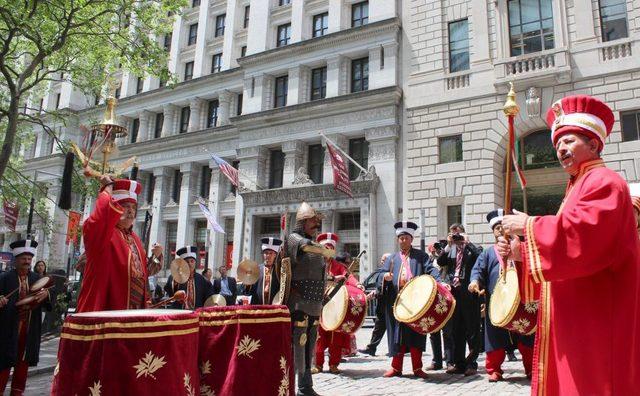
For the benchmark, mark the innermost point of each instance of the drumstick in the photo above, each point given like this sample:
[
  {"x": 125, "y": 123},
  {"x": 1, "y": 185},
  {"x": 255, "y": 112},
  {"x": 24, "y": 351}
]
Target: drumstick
[
  {"x": 11, "y": 294},
  {"x": 179, "y": 295}
]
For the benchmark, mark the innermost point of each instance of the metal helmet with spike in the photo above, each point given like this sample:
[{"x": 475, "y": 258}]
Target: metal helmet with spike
[{"x": 307, "y": 212}]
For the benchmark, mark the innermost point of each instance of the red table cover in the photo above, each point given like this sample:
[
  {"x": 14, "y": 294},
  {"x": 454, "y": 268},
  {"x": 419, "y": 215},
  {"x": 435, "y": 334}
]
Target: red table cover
[
  {"x": 143, "y": 352},
  {"x": 246, "y": 350}
]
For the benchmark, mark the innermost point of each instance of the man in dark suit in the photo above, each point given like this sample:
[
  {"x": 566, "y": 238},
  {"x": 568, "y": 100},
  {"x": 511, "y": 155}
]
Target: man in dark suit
[
  {"x": 268, "y": 284},
  {"x": 226, "y": 286},
  {"x": 197, "y": 288},
  {"x": 455, "y": 267}
]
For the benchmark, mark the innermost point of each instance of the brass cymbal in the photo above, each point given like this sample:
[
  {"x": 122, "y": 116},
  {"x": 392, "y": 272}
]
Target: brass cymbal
[
  {"x": 248, "y": 272},
  {"x": 180, "y": 271},
  {"x": 215, "y": 300}
]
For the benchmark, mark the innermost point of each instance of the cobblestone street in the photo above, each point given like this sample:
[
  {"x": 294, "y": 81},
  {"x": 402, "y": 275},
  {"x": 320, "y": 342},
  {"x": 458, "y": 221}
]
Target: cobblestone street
[{"x": 361, "y": 375}]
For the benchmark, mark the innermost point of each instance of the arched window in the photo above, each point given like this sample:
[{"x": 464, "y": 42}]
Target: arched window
[{"x": 537, "y": 151}]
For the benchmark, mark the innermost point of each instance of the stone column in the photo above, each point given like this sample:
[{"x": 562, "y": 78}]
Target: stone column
[
  {"x": 382, "y": 155},
  {"x": 201, "y": 44},
  {"x": 176, "y": 40},
  {"x": 299, "y": 24},
  {"x": 253, "y": 161},
  {"x": 480, "y": 37},
  {"x": 343, "y": 143},
  {"x": 329, "y": 221},
  {"x": 224, "y": 100},
  {"x": 382, "y": 72},
  {"x": 185, "y": 224},
  {"x": 144, "y": 131},
  {"x": 585, "y": 29},
  {"x": 336, "y": 15},
  {"x": 195, "y": 106},
  {"x": 168, "y": 127},
  {"x": 335, "y": 81},
  {"x": 293, "y": 155},
  {"x": 216, "y": 196},
  {"x": 157, "y": 233},
  {"x": 298, "y": 85}
]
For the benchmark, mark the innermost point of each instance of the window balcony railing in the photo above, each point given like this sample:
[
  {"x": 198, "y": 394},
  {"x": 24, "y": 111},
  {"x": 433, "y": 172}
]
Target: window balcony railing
[
  {"x": 458, "y": 80},
  {"x": 615, "y": 51},
  {"x": 540, "y": 65}
]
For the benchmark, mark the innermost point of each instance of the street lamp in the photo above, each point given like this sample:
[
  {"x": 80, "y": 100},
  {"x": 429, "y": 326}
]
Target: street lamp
[{"x": 533, "y": 102}]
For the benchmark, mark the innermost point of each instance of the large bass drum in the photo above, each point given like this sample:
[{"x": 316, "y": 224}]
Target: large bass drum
[
  {"x": 345, "y": 312},
  {"x": 424, "y": 305},
  {"x": 506, "y": 309}
]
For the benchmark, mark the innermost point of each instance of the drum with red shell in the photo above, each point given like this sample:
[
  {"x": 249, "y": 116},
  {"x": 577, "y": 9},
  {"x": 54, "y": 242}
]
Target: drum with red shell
[
  {"x": 345, "y": 312},
  {"x": 130, "y": 352},
  {"x": 506, "y": 308},
  {"x": 424, "y": 305}
]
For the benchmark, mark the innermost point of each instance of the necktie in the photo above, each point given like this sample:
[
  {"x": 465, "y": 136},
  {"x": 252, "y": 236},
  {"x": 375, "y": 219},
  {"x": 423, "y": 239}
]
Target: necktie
[
  {"x": 267, "y": 286},
  {"x": 459, "y": 254},
  {"x": 406, "y": 271}
]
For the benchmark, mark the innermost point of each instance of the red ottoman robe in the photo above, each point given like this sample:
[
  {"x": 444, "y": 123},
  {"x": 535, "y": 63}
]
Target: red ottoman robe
[
  {"x": 587, "y": 259},
  {"x": 106, "y": 277}
]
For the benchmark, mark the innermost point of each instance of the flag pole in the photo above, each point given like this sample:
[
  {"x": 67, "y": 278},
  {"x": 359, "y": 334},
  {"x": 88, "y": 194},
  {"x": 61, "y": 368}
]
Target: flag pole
[
  {"x": 343, "y": 153},
  {"x": 510, "y": 109}
]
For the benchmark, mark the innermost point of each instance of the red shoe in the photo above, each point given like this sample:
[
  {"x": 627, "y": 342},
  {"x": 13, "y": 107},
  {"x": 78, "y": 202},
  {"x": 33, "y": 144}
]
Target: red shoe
[
  {"x": 495, "y": 377},
  {"x": 392, "y": 373},
  {"x": 420, "y": 374}
]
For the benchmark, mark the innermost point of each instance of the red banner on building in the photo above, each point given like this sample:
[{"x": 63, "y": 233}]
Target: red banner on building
[
  {"x": 73, "y": 227},
  {"x": 11, "y": 212},
  {"x": 340, "y": 172}
]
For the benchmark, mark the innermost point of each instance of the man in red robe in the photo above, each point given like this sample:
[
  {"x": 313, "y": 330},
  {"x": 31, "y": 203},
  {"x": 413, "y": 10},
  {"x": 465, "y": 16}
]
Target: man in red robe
[
  {"x": 634, "y": 188},
  {"x": 116, "y": 271},
  {"x": 587, "y": 260},
  {"x": 335, "y": 341}
]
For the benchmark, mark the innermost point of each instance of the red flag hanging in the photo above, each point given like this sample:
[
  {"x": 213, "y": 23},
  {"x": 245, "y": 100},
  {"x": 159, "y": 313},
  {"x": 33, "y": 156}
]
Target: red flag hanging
[
  {"x": 11, "y": 212},
  {"x": 73, "y": 227},
  {"x": 340, "y": 172}
]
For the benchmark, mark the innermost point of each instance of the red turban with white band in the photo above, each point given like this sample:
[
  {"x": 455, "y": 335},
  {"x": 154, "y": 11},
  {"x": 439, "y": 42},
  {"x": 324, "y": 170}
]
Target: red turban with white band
[
  {"x": 126, "y": 191},
  {"x": 581, "y": 114}
]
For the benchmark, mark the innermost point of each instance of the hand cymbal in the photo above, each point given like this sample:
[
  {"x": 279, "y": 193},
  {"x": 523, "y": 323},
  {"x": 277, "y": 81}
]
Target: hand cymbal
[
  {"x": 180, "y": 271},
  {"x": 215, "y": 300},
  {"x": 248, "y": 272}
]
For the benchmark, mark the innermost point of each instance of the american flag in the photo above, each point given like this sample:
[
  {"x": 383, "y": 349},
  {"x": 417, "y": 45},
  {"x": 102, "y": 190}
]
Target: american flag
[
  {"x": 210, "y": 217},
  {"x": 229, "y": 171}
]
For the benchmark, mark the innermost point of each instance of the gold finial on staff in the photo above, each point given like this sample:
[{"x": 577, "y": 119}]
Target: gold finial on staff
[{"x": 511, "y": 107}]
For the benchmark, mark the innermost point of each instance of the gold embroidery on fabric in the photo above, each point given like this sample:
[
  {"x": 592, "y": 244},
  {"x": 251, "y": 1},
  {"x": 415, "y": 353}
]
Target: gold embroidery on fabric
[
  {"x": 205, "y": 367},
  {"x": 247, "y": 346},
  {"x": 357, "y": 308},
  {"x": 205, "y": 390},
  {"x": 243, "y": 312},
  {"x": 149, "y": 365},
  {"x": 283, "y": 390},
  {"x": 520, "y": 325},
  {"x": 531, "y": 307},
  {"x": 187, "y": 385},
  {"x": 96, "y": 389},
  {"x": 426, "y": 323},
  {"x": 442, "y": 306},
  {"x": 119, "y": 325},
  {"x": 110, "y": 336},
  {"x": 348, "y": 326},
  {"x": 235, "y": 321},
  {"x": 303, "y": 339}
]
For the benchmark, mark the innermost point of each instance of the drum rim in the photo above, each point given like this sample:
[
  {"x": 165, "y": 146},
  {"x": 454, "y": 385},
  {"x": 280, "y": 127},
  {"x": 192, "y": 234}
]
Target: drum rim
[
  {"x": 41, "y": 279},
  {"x": 514, "y": 306},
  {"x": 344, "y": 312},
  {"x": 449, "y": 315},
  {"x": 432, "y": 297}
]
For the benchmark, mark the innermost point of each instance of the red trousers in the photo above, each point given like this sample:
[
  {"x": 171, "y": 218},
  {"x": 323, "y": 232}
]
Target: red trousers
[
  {"x": 21, "y": 368},
  {"x": 496, "y": 357},
  {"x": 335, "y": 341},
  {"x": 416, "y": 358}
]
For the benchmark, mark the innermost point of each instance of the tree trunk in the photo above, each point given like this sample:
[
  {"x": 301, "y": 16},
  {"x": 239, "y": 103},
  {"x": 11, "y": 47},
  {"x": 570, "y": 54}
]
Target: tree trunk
[{"x": 10, "y": 135}]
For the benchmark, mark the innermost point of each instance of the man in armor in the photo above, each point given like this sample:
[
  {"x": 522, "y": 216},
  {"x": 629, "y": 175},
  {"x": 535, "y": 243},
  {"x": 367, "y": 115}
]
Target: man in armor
[{"x": 307, "y": 292}]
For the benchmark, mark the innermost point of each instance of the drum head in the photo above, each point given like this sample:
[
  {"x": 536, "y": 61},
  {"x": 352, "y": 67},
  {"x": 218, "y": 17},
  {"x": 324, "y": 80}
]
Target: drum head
[
  {"x": 131, "y": 313},
  {"x": 28, "y": 300},
  {"x": 335, "y": 310},
  {"x": 41, "y": 283},
  {"x": 415, "y": 298},
  {"x": 504, "y": 299}
]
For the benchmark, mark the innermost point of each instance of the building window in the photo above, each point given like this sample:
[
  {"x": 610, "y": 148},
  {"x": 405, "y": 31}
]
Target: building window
[
  {"x": 212, "y": 113},
  {"x": 167, "y": 42},
  {"x": 157, "y": 132},
  {"x": 239, "y": 108},
  {"x": 318, "y": 83},
  {"x": 177, "y": 183},
  {"x": 232, "y": 188},
  {"x": 359, "y": 75},
  {"x": 320, "y": 24},
  {"x": 139, "y": 84},
  {"x": 458, "y": 46},
  {"x": 360, "y": 14},
  {"x": 193, "y": 34},
  {"x": 172, "y": 237},
  {"x": 195, "y": 3},
  {"x": 220, "y": 21},
  {"x": 200, "y": 236},
  {"x": 185, "y": 113},
  {"x": 243, "y": 51},
  {"x": 454, "y": 215},
  {"x": 450, "y": 149},
  {"x": 116, "y": 93},
  {"x": 276, "y": 168},
  {"x": 630, "y": 125},
  {"x": 613, "y": 19},
  {"x": 284, "y": 2},
  {"x": 315, "y": 163},
  {"x": 151, "y": 188},
  {"x": 247, "y": 12},
  {"x": 188, "y": 71},
  {"x": 530, "y": 26},
  {"x": 284, "y": 35},
  {"x": 205, "y": 183},
  {"x": 135, "y": 127},
  {"x": 162, "y": 82},
  {"x": 359, "y": 151},
  {"x": 282, "y": 86},
  {"x": 216, "y": 63},
  {"x": 349, "y": 221},
  {"x": 536, "y": 152},
  {"x": 270, "y": 225}
]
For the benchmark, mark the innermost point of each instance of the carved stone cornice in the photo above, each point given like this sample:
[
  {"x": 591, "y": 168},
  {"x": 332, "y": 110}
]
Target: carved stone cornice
[
  {"x": 382, "y": 152},
  {"x": 246, "y": 153},
  {"x": 297, "y": 194},
  {"x": 381, "y": 133}
]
